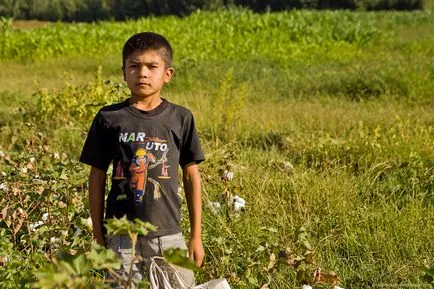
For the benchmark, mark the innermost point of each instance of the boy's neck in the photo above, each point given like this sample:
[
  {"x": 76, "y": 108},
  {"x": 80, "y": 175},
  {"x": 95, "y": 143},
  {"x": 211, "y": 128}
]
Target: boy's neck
[{"x": 145, "y": 103}]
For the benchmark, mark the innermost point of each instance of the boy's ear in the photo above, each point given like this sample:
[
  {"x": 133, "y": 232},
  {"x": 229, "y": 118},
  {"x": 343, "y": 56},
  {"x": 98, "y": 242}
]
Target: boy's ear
[
  {"x": 168, "y": 74},
  {"x": 123, "y": 72}
]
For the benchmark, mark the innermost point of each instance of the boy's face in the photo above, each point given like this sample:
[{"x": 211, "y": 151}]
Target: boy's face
[{"x": 145, "y": 73}]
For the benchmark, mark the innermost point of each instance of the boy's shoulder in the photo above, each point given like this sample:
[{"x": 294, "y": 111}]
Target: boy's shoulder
[
  {"x": 179, "y": 108},
  {"x": 115, "y": 106},
  {"x": 112, "y": 112}
]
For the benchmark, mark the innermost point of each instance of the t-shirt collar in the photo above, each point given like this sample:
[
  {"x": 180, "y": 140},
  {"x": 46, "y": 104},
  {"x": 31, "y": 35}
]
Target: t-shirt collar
[{"x": 147, "y": 113}]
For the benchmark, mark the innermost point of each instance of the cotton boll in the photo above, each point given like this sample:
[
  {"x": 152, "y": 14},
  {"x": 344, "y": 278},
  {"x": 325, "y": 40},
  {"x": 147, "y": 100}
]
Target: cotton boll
[
  {"x": 34, "y": 226},
  {"x": 54, "y": 241},
  {"x": 4, "y": 260},
  {"x": 44, "y": 217},
  {"x": 88, "y": 222},
  {"x": 77, "y": 232},
  {"x": 228, "y": 175},
  {"x": 239, "y": 203},
  {"x": 61, "y": 204},
  {"x": 215, "y": 207}
]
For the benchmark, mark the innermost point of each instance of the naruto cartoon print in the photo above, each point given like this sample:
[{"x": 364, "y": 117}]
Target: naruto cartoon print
[
  {"x": 148, "y": 166},
  {"x": 139, "y": 173}
]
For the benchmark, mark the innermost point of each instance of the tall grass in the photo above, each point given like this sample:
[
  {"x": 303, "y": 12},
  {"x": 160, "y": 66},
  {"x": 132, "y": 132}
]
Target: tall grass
[{"x": 245, "y": 34}]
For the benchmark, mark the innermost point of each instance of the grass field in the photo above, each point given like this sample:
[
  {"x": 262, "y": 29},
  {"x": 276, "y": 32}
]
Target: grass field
[{"x": 325, "y": 118}]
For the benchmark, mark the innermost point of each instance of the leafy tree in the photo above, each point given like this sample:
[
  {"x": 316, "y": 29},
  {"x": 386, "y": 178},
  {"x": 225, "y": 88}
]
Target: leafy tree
[
  {"x": 10, "y": 8},
  {"x": 93, "y": 10}
]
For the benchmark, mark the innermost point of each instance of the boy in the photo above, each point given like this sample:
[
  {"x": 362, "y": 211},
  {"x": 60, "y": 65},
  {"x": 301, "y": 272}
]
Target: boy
[{"x": 146, "y": 137}]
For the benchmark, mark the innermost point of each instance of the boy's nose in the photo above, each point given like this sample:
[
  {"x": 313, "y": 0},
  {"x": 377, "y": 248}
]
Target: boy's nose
[{"x": 143, "y": 71}]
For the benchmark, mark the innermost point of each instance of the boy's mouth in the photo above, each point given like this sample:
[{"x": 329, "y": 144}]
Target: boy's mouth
[{"x": 142, "y": 84}]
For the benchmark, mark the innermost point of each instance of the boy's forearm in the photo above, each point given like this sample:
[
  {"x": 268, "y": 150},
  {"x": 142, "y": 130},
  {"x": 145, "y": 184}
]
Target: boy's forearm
[
  {"x": 193, "y": 192},
  {"x": 97, "y": 180}
]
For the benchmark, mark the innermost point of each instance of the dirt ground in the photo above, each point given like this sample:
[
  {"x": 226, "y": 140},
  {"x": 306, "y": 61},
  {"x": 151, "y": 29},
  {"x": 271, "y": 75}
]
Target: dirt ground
[{"x": 25, "y": 24}]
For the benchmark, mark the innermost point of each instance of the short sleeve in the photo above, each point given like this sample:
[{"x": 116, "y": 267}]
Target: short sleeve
[
  {"x": 96, "y": 150},
  {"x": 191, "y": 150}
]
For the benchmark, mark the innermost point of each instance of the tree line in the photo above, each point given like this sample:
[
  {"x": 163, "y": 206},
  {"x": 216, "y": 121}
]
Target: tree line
[{"x": 93, "y": 10}]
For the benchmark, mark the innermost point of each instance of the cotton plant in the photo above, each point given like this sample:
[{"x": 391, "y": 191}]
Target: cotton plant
[
  {"x": 308, "y": 274},
  {"x": 35, "y": 225},
  {"x": 75, "y": 270},
  {"x": 233, "y": 204}
]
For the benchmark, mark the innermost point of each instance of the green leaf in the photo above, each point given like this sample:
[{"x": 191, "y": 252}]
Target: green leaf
[
  {"x": 302, "y": 236},
  {"x": 63, "y": 176},
  {"x": 123, "y": 226},
  {"x": 102, "y": 258},
  {"x": 80, "y": 265},
  {"x": 429, "y": 271},
  {"x": 427, "y": 279},
  {"x": 269, "y": 229},
  {"x": 304, "y": 275},
  {"x": 260, "y": 249},
  {"x": 179, "y": 257},
  {"x": 64, "y": 255},
  {"x": 428, "y": 276},
  {"x": 253, "y": 281}
]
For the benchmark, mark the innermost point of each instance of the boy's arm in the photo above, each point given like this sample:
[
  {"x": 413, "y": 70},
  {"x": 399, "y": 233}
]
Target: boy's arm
[
  {"x": 97, "y": 180},
  {"x": 193, "y": 193}
]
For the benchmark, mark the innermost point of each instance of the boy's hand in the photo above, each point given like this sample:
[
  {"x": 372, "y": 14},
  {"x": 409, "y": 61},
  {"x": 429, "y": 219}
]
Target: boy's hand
[
  {"x": 192, "y": 187},
  {"x": 97, "y": 180},
  {"x": 99, "y": 238},
  {"x": 195, "y": 250}
]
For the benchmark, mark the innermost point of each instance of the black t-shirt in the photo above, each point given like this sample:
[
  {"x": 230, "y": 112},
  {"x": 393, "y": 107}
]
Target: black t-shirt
[{"x": 146, "y": 148}]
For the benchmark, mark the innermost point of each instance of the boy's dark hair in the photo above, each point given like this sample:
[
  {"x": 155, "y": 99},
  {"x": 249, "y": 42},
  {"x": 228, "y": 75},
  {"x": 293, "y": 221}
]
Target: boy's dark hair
[{"x": 148, "y": 41}]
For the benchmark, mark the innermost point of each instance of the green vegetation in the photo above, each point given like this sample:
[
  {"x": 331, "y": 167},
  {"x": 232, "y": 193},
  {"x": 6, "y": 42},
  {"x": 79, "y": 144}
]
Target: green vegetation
[
  {"x": 325, "y": 118},
  {"x": 93, "y": 10}
]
